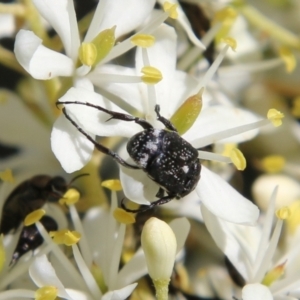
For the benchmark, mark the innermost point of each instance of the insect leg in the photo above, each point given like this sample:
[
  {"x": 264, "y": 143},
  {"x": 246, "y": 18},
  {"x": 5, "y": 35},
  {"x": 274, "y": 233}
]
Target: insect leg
[
  {"x": 165, "y": 121},
  {"x": 114, "y": 114},
  {"x": 160, "y": 201},
  {"x": 100, "y": 147}
]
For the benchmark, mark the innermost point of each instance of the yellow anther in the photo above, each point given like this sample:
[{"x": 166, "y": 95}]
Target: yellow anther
[
  {"x": 34, "y": 217},
  {"x": 273, "y": 275},
  {"x": 46, "y": 293},
  {"x": 112, "y": 184},
  {"x": 273, "y": 163},
  {"x": 238, "y": 159},
  {"x": 227, "y": 13},
  {"x": 231, "y": 42},
  {"x": 151, "y": 75},
  {"x": 2, "y": 253},
  {"x": 226, "y": 17},
  {"x": 65, "y": 237},
  {"x": 293, "y": 221},
  {"x": 87, "y": 53},
  {"x": 227, "y": 148},
  {"x": 123, "y": 216},
  {"x": 7, "y": 176},
  {"x": 283, "y": 213},
  {"x": 186, "y": 115},
  {"x": 72, "y": 196},
  {"x": 171, "y": 9},
  {"x": 288, "y": 58},
  {"x": 275, "y": 116},
  {"x": 104, "y": 42},
  {"x": 143, "y": 40},
  {"x": 296, "y": 107}
]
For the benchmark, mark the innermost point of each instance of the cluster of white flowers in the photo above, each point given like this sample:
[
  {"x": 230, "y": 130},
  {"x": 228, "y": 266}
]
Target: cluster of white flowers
[{"x": 84, "y": 92}]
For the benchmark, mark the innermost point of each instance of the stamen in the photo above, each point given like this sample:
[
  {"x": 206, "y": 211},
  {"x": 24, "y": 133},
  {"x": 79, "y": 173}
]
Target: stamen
[
  {"x": 273, "y": 163},
  {"x": 231, "y": 42},
  {"x": 283, "y": 213},
  {"x": 7, "y": 176},
  {"x": 151, "y": 75},
  {"x": 214, "y": 157},
  {"x": 46, "y": 293},
  {"x": 112, "y": 184},
  {"x": 171, "y": 9},
  {"x": 288, "y": 58},
  {"x": 18, "y": 10},
  {"x": 123, "y": 216},
  {"x": 88, "y": 54},
  {"x": 86, "y": 274},
  {"x": 34, "y": 217},
  {"x": 143, "y": 40},
  {"x": 275, "y": 116},
  {"x": 186, "y": 115},
  {"x": 71, "y": 197},
  {"x": 293, "y": 221},
  {"x": 238, "y": 159},
  {"x": 65, "y": 237}
]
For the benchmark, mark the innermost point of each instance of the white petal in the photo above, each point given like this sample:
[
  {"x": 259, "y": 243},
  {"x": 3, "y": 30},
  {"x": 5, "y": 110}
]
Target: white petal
[
  {"x": 217, "y": 118},
  {"x": 70, "y": 147},
  {"x": 125, "y": 14},
  {"x": 78, "y": 295},
  {"x": 121, "y": 294},
  {"x": 39, "y": 61},
  {"x": 223, "y": 200},
  {"x": 61, "y": 16},
  {"x": 181, "y": 228},
  {"x": 137, "y": 186},
  {"x": 132, "y": 270},
  {"x": 7, "y": 25},
  {"x": 162, "y": 55},
  {"x": 42, "y": 273},
  {"x": 256, "y": 291},
  {"x": 93, "y": 120}
]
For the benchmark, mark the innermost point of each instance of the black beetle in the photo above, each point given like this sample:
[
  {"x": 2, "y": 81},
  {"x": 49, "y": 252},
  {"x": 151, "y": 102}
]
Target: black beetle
[
  {"x": 30, "y": 238},
  {"x": 163, "y": 154},
  {"x": 30, "y": 195}
]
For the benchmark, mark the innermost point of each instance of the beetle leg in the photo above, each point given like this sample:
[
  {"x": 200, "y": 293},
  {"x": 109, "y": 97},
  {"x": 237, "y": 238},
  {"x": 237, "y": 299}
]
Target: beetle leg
[
  {"x": 165, "y": 121},
  {"x": 114, "y": 114},
  {"x": 100, "y": 147},
  {"x": 160, "y": 201},
  {"x": 160, "y": 193}
]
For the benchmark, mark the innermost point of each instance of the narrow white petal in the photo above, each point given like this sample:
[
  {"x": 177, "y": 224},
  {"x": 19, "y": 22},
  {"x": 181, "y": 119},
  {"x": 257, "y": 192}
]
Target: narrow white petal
[
  {"x": 223, "y": 200},
  {"x": 39, "y": 61},
  {"x": 256, "y": 291},
  {"x": 61, "y": 16},
  {"x": 42, "y": 273},
  {"x": 125, "y": 14},
  {"x": 120, "y": 294},
  {"x": 70, "y": 147},
  {"x": 218, "y": 118},
  {"x": 93, "y": 120}
]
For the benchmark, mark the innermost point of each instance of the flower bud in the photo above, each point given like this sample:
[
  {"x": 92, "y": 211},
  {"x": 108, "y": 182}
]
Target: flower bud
[{"x": 159, "y": 245}]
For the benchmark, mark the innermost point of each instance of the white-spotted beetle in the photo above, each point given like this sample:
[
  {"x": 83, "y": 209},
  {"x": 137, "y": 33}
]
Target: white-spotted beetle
[{"x": 163, "y": 154}]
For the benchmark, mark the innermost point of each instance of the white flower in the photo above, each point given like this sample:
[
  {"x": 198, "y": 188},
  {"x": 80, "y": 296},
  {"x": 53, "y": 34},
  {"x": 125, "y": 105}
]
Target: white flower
[
  {"x": 44, "y": 63},
  {"x": 215, "y": 123},
  {"x": 253, "y": 251}
]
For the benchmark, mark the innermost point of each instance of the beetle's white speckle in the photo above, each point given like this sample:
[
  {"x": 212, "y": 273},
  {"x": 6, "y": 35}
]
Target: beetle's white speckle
[
  {"x": 144, "y": 160},
  {"x": 156, "y": 132},
  {"x": 151, "y": 146},
  {"x": 185, "y": 169}
]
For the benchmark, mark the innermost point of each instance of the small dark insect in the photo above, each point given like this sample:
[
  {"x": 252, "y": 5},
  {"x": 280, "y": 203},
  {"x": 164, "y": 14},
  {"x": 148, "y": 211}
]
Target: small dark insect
[
  {"x": 30, "y": 238},
  {"x": 30, "y": 195},
  {"x": 167, "y": 158}
]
